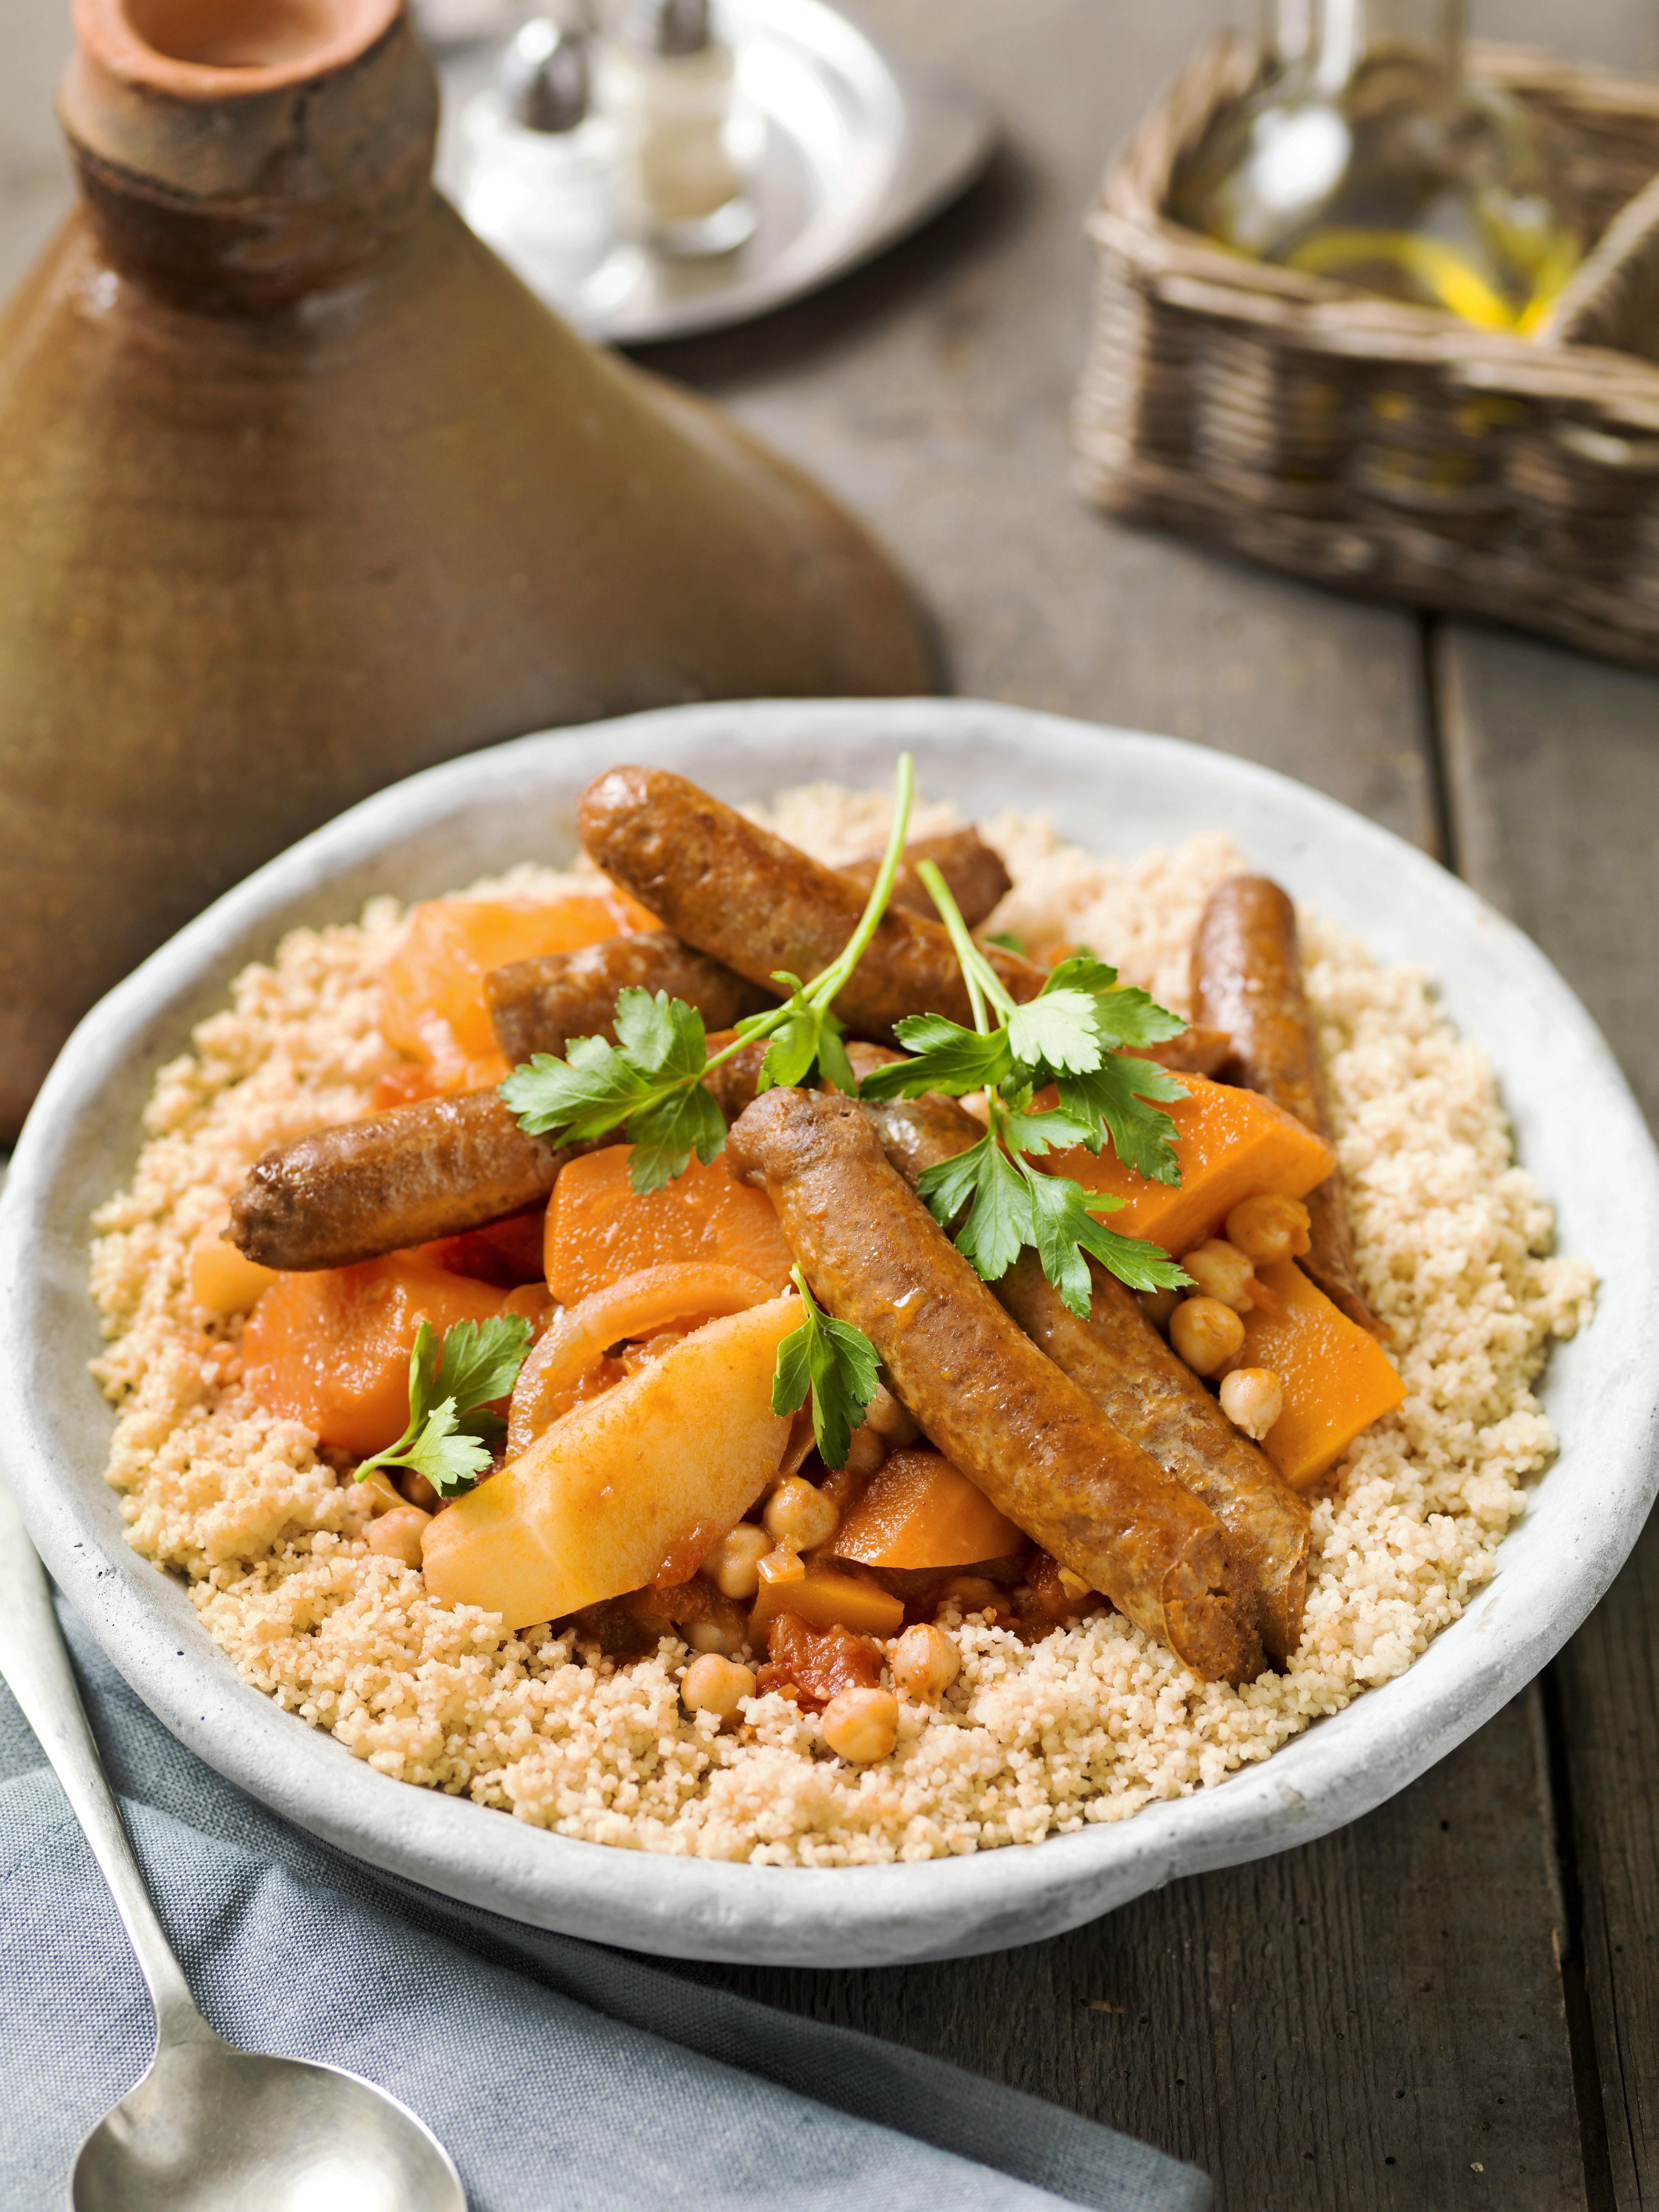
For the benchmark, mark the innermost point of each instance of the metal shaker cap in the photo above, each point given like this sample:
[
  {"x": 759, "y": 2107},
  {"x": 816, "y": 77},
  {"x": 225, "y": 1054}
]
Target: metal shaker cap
[
  {"x": 544, "y": 76},
  {"x": 670, "y": 26}
]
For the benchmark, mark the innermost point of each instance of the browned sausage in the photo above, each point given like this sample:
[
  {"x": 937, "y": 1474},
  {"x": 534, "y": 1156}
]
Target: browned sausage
[
  {"x": 1032, "y": 1440},
  {"x": 538, "y": 1006},
  {"x": 745, "y": 897},
  {"x": 367, "y": 1187},
  {"x": 1247, "y": 980},
  {"x": 1146, "y": 1392},
  {"x": 977, "y": 879}
]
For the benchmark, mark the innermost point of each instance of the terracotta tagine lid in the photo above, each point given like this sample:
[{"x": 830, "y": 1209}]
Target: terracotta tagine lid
[{"x": 301, "y": 491}]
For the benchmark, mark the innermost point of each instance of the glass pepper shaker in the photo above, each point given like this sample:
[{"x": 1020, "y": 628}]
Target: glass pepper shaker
[{"x": 543, "y": 171}]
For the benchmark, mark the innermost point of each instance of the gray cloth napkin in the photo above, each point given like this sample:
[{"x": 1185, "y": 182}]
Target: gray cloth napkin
[{"x": 559, "y": 2074}]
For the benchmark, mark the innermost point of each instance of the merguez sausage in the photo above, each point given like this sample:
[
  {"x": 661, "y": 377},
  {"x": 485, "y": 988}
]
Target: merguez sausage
[
  {"x": 363, "y": 1188},
  {"x": 538, "y": 1006},
  {"x": 977, "y": 879},
  {"x": 1247, "y": 980},
  {"x": 748, "y": 898},
  {"x": 1146, "y": 1392},
  {"x": 1032, "y": 1440}
]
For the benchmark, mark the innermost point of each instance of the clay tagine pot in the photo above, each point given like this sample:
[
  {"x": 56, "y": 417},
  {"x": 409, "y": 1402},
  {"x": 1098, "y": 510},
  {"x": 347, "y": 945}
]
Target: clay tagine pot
[{"x": 301, "y": 491}]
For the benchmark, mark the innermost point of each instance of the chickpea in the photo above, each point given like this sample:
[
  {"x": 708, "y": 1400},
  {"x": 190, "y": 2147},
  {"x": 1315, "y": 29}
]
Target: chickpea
[
  {"x": 865, "y": 1451},
  {"x": 798, "y": 1515},
  {"x": 733, "y": 1565},
  {"x": 380, "y": 1493},
  {"x": 417, "y": 1489},
  {"x": 1221, "y": 1271},
  {"x": 713, "y": 1635},
  {"x": 716, "y": 1684},
  {"x": 1205, "y": 1333},
  {"x": 889, "y": 1421},
  {"x": 397, "y": 1534},
  {"x": 1253, "y": 1398},
  {"x": 1270, "y": 1227},
  {"x": 925, "y": 1662},
  {"x": 861, "y": 1725},
  {"x": 1158, "y": 1305}
]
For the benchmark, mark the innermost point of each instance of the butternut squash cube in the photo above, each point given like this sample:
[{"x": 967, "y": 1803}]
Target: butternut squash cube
[
  {"x": 824, "y": 1599},
  {"x": 919, "y": 1511},
  {"x": 1337, "y": 1378},
  {"x": 628, "y": 1489},
  {"x": 1231, "y": 1143}
]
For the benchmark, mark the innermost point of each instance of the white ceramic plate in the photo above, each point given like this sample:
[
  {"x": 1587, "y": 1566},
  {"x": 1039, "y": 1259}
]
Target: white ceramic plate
[{"x": 1577, "y": 1126}]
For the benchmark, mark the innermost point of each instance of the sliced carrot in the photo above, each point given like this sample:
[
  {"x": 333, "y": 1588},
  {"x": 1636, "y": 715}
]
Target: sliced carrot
[
  {"x": 331, "y": 1348},
  {"x": 600, "y": 1230},
  {"x": 432, "y": 992},
  {"x": 1337, "y": 1378},
  {"x": 1231, "y": 1143},
  {"x": 918, "y": 1510},
  {"x": 550, "y": 1381},
  {"x": 824, "y": 1599}
]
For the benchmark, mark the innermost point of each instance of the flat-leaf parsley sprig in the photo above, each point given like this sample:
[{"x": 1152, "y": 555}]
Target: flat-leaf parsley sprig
[
  {"x": 838, "y": 1364},
  {"x": 1071, "y": 1035},
  {"x": 451, "y": 1435},
  {"x": 649, "y": 1083}
]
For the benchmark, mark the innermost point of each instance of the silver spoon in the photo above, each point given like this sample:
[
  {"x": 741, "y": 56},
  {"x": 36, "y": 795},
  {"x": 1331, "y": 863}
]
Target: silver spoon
[{"x": 209, "y": 2128}]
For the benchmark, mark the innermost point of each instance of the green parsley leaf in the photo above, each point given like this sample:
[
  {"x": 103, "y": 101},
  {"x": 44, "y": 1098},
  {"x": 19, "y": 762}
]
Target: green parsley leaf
[
  {"x": 999, "y": 1221},
  {"x": 661, "y": 1035},
  {"x": 1008, "y": 941},
  {"x": 583, "y": 1096},
  {"x": 1128, "y": 1017},
  {"x": 946, "y": 1057},
  {"x": 838, "y": 1364},
  {"x": 1115, "y": 1093},
  {"x": 451, "y": 1430},
  {"x": 665, "y": 1133},
  {"x": 1064, "y": 1227},
  {"x": 1056, "y": 1031}
]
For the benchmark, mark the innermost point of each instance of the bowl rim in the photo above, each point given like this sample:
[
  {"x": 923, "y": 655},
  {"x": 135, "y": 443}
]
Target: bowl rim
[{"x": 700, "y": 1908}]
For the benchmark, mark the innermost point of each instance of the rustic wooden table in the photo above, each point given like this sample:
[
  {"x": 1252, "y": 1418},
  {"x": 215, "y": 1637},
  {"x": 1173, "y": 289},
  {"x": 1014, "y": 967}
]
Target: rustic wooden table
[{"x": 1455, "y": 2003}]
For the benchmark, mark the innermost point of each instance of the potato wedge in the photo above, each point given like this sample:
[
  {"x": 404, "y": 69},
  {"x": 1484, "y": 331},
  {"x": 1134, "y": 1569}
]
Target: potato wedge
[{"x": 628, "y": 1489}]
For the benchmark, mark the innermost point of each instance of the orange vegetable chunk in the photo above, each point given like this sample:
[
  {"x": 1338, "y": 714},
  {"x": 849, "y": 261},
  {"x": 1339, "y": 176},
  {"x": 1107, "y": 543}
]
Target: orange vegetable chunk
[
  {"x": 1337, "y": 1378},
  {"x": 331, "y": 1348},
  {"x": 600, "y": 1230},
  {"x": 919, "y": 1511},
  {"x": 432, "y": 1001},
  {"x": 824, "y": 1599},
  {"x": 1231, "y": 1143}
]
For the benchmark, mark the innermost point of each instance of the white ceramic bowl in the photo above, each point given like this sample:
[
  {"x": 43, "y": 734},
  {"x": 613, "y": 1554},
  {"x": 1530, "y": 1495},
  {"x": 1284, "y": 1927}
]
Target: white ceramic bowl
[{"x": 1578, "y": 1130}]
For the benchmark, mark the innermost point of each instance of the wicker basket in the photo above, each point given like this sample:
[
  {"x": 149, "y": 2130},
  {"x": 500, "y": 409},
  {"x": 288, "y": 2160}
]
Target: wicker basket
[{"x": 1394, "y": 450}]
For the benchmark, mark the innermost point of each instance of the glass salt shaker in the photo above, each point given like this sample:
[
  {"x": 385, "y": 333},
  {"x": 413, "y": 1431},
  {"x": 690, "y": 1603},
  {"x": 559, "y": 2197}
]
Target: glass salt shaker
[
  {"x": 542, "y": 170},
  {"x": 671, "y": 86}
]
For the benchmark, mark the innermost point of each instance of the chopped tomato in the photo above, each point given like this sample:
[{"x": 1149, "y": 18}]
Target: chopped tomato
[
  {"x": 433, "y": 999},
  {"x": 812, "y": 1665},
  {"x": 331, "y": 1348},
  {"x": 600, "y": 1230}
]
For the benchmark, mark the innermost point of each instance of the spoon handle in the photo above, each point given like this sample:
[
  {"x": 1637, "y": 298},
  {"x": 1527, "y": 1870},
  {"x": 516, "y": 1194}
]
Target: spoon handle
[{"x": 36, "y": 1665}]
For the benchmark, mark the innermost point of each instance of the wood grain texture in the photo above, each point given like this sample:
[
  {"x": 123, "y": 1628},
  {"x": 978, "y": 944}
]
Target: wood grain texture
[{"x": 1553, "y": 777}]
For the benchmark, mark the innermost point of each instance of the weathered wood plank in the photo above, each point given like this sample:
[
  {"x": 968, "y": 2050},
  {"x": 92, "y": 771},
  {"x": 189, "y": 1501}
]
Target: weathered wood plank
[{"x": 1554, "y": 779}]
